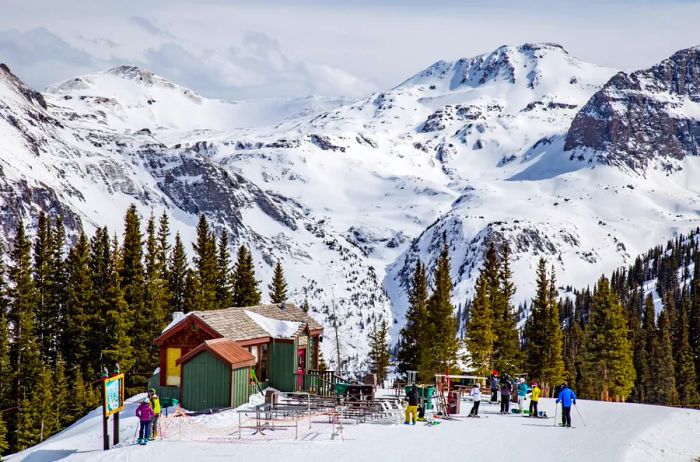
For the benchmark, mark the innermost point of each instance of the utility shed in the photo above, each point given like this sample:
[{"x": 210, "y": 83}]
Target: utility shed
[{"x": 215, "y": 375}]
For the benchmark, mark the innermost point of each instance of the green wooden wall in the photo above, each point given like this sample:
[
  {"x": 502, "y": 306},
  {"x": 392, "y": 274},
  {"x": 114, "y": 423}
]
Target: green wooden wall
[
  {"x": 282, "y": 365},
  {"x": 240, "y": 386},
  {"x": 206, "y": 383}
]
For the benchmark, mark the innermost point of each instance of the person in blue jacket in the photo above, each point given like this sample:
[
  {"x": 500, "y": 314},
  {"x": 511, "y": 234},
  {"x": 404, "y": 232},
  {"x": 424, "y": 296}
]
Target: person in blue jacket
[{"x": 567, "y": 398}]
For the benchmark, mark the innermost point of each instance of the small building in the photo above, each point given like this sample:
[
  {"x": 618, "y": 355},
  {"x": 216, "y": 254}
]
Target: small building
[
  {"x": 216, "y": 374},
  {"x": 282, "y": 339}
]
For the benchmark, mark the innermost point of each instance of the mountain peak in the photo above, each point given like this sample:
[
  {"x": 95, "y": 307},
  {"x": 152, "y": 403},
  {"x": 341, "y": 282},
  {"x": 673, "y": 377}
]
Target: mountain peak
[{"x": 15, "y": 84}]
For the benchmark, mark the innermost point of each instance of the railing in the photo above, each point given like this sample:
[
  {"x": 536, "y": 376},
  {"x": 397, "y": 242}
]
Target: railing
[
  {"x": 318, "y": 382},
  {"x": 253, "y": 387}
]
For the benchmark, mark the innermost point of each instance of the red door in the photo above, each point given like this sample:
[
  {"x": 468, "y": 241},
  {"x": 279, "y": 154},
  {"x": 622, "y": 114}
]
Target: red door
[{"x": 301, "y": 367}]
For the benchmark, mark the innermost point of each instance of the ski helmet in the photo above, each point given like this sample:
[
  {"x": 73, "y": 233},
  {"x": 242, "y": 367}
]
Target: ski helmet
[
  {"x": 534, "y": 384},
  {"x": 522, "y": 380},
  {"x": 152, "y": 391},
  {"x": 146, "y": 401}
]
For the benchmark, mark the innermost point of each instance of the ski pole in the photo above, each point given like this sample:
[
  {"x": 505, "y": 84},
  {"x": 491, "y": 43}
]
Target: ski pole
[
  {"x": 580, "y": 416},
  {"x": 556, "y": 408}
]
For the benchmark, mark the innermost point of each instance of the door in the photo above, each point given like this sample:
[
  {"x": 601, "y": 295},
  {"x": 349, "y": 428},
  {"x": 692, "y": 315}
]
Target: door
[{"x": 301, "y": 367}]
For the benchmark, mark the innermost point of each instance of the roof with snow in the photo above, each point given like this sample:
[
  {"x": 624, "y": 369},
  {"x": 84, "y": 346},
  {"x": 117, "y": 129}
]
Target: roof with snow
[
  {"x": 285, "y": 321},
  {"x": 226, "y": 350}
]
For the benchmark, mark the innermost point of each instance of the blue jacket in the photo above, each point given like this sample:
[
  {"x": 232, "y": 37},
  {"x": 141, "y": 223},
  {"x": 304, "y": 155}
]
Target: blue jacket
[
  {"x": 566, "y": 396},
  {"x": 523, "y": 389}
]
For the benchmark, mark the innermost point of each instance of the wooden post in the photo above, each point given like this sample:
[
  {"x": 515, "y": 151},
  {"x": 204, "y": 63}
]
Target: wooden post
[
  {"x": 116, "y": 429},
  {"x": 105, "y": 426}
]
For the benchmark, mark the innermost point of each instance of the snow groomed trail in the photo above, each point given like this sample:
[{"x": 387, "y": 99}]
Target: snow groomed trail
[{"x": 612, "y": 432}]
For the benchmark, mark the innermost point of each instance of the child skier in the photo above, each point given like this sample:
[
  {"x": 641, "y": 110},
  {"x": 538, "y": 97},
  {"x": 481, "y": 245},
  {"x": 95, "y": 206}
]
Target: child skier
[
  {"x": 567, "y": 397},
  {"x": 412, "y": 408},
  {"x": 522, "y": 394},
  {"x": 155, "y": 405},
  {"x": 506, "y": 388},
  {"x": 534, "y": 399},
  {"x": 145, "y": 414},
  {"x": 476, "y": 394}
]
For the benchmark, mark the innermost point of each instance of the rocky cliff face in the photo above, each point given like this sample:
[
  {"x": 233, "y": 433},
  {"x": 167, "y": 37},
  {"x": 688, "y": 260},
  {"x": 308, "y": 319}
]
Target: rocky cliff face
[{"x": 652, "y": 114}]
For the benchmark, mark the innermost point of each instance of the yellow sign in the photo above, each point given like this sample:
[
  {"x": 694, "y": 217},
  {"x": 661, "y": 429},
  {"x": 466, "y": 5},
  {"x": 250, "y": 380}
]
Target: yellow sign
[{"x": 114, "y": 394}]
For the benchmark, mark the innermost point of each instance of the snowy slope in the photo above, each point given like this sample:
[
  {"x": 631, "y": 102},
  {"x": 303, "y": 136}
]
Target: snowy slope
[
  {"x": 349, "y": 194},
  {"x": 612, "y": 432}
]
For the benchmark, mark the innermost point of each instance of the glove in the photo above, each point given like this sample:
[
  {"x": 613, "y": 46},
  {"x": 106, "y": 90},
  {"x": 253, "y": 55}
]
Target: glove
[{"x": 574, "y": 402}]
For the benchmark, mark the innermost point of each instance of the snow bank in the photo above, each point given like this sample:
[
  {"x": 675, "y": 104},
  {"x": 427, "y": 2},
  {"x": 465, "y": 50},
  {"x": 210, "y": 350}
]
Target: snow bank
[{"x": 275, "y": 327}]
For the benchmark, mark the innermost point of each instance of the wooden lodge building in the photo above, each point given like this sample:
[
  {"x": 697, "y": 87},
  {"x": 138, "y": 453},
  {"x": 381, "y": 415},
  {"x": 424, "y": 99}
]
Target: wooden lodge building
[{"x": 206, "y": 356}]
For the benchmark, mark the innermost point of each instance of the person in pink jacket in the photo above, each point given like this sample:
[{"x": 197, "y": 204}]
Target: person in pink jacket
[{"x": 145, "y": 413}]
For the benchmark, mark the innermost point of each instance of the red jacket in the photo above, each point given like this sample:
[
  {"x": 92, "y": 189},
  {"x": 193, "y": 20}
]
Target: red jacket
[{"x": 144, "y": 412}]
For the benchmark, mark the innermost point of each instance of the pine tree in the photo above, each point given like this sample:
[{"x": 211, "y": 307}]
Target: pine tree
[
  {"x": 6, "y": 371},
  {"x": 191, "y": 297},
  {"x": 27, "y": 433},
  {"x": 416, "y": 318},
  {"x": 663, "y": 388},
  {"x": 205, "y": 264},
  {"x": 177, "y": 274},
  {"x": 224, "y": 297},
  {"x": 61, "y": 393},
  {"x": 552, "y": 359},
  {"x": 47, "y": 419},
  {"x": 278, "y": 286},
  {"x": 4, "y": 444},
  {"x": 164, "y": 245},
  {"x": 80, "y": 318},
  {"x": 132, "y": 274},
  {"x": 379, "y": 350},
  {"x": 439, "y": 352},
  {"x": 42, "y": 281},
  {"x": 607, "y": 355},
  {"x": 535, "y": 326},
  {"x": 25, "y": 354},
  {"x": 481, "y": 335},
  {"x": 57, "y": 296},
  {"x": 507, "y": 354},
  {"x": 644, "y": 344},
  {"x": 156, "y": 294},
  {"x": 305, "y": 306},
  {"x": 684, "y": 361},
  {"x": 80, "y": 400},
  {"x": 245, "y": 287}
]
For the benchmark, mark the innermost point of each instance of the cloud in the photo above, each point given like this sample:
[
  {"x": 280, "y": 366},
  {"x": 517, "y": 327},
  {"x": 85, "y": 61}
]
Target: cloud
[{"x": 150, "y": 27}]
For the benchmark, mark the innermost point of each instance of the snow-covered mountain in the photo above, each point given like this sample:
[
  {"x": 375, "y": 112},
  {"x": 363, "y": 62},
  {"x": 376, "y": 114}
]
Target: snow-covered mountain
[{"x": 350, "y": 194}]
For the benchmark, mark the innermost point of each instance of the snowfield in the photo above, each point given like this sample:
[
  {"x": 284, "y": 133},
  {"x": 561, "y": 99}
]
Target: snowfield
[{"x": 612, "y": 432}]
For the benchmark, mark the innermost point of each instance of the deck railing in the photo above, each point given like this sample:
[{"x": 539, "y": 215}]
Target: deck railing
[{"x": 318, "y": 382}]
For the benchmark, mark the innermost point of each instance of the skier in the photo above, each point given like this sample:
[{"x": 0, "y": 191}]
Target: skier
[
  {"x": 567, "y": 397},
  {"x": 145, "y": 414},
  {"x": 155, "y": 405},
  {"x": 534, "y": 399},
  {"x": 522, "y": 394},
  {"x": 494, "y": 387},
  {"x": 476, "y": 394},
  {"x": 506, "y": 388},
  {"x": 412, "y": 408}
]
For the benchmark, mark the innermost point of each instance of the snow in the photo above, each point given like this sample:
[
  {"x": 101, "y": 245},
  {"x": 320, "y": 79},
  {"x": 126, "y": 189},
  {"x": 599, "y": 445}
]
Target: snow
[
  {"x": 275, "y": 327},
  {"x": 177, "y": 317},
  {"x": 611, "y": 432}
]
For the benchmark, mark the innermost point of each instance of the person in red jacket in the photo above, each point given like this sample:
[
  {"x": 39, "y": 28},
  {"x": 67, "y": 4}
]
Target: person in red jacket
[{"x": 145, "y": 413}]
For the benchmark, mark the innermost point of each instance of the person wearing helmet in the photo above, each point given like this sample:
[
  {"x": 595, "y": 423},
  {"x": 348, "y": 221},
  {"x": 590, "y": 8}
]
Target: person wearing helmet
[
  {"x": 145, "y": 413},
  {"x": 506, "y": 389},
  {"x": 155, "y": 405},
  {"x": 534, "y": 399},
  {"x": 522, "y": 394},
  {"x": 567, "y": 398}
]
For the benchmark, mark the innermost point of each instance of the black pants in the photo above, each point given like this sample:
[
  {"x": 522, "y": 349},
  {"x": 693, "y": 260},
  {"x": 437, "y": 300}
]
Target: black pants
[
  {"x": 475, "y": 408},
  {"x": 494, "y": 396},
  {"x": 505, "y": 403},
  {"x": 533, "y": 408},
  {"x": 566, "y": 416}
]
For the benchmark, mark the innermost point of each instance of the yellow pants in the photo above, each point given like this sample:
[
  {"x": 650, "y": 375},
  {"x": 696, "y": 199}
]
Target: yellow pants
[{"x": 412, "y": 411}]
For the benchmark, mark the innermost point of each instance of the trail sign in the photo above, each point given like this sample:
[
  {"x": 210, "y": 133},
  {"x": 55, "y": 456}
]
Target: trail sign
[{"x": 113, "y": 394}]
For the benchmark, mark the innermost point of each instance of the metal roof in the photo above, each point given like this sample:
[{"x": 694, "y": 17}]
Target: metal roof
[{"x": 226, "y": 349}]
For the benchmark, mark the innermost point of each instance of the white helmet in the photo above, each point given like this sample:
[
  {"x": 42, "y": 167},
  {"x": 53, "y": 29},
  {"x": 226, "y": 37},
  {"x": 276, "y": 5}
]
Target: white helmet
[{"x": 522, "y": 380}]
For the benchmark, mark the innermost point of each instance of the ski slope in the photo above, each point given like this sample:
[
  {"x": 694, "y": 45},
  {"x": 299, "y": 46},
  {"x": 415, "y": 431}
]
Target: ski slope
[{"x": 612, "y": 432}]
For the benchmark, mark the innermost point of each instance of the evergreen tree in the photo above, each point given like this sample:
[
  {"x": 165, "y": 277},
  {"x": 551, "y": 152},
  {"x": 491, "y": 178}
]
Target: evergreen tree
[
  {"x": 80, "y": 318},
  {"x": 644, "y": 344},
  {"x": 57, "y": 294},
  {"x": 507, "y": 353},
  {"x": 535, "y": 327},
  {"x": 177, "y": 275},
  {"x": 191, "y": 297},
  {"x": 47, "y": 419},
  {"x": 305, "y": 306},
  {"x": 27, "y": 433},
  {"x": 61, "y": 393},
  {"x": 663, "y": 388},
  {"x": 607, "y": 356},
  {"x": 481, "y": 335},
  {"x": 416, "y": 319},
  {"x": 552, "y": 347},
  {"x": 132, "y": 276},
  {"x": 164, "y": 245},
  {"x": 6, "y": 371},
  {"x": 684, "y": 361},
  {"x": 245, "y": 287},
  {"x": 156, "y": 294},
  {"x": 80, "y": 399},
  {"x": 278, "y": 286},
  {"x": 42, "y": 281},
  {"x": 25, "y": 354},
  {"x": 224, "y": 297},
  {"x": 439, "y": 354},
  {"x": 4, "y": 444},
  {"x": 379, "y": 350},
  {"x": 205, "y": 264}
]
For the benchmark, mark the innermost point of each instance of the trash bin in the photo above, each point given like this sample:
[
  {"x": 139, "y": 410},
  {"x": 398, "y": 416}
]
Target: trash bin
[
  {"x": 427, "y": 393},
  {"x": 341, "y": 389}
]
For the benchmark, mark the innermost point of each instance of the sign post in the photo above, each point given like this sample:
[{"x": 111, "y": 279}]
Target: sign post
[{"x": 113, "y": 402}]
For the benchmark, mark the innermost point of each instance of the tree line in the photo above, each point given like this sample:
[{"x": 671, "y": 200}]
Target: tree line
[
  {"x": 634, "y": 336},
  {"x": 68, "y": 311}
]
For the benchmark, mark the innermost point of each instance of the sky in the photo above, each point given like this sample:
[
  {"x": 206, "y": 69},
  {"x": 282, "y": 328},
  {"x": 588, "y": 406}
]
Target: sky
[{"x": 259, "y": 49}]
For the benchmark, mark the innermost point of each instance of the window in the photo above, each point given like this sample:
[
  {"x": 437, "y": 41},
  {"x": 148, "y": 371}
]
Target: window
[
  {"x": 172, "y": 370},
  {"x": 254, "y": 352}
]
